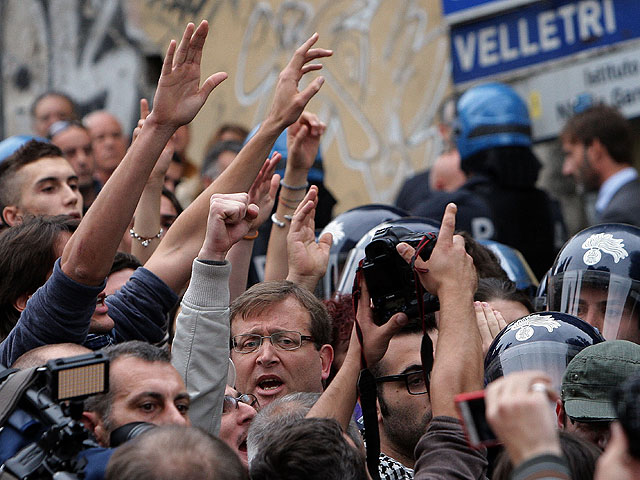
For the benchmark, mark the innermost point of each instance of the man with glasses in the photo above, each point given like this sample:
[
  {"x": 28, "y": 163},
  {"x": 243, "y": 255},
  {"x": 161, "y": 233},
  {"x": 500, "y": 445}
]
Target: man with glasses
[
  {"x": 404, "y": 409},
  {"x": 238, "y": 411},
  {"x": 280, "y": 336}
]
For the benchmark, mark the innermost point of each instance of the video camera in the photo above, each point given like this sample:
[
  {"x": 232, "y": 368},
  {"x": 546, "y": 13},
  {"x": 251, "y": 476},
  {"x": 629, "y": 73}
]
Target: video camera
[
  {"x": 390, "y": 280},
  {"x": 40, "y": 411}
]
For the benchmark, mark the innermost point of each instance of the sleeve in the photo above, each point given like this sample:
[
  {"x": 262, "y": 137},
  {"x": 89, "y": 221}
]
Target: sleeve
[
  {"x": 58, "y": 312},
  {"x": 443, "y": 453},
  {"x": 139, "y": 309},
  {"x": 542, "y": 467},
  {"x": 200, "y": 350}
]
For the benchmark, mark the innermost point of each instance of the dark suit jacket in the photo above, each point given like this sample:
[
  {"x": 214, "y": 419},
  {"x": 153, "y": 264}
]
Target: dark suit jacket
[{"x": 624, "y": 207}]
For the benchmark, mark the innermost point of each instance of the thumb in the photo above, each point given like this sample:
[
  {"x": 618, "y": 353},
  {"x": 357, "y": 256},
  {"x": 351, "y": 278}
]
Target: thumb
[
  {"x": 326, "y": 239},
  {"x": 394, "y": 325},
  {"x": 406, "y": 251}
]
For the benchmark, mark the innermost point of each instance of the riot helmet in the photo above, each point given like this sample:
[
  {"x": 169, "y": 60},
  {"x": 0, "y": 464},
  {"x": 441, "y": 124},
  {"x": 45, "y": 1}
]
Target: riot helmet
[
  {"x": 596, "y": 277},
  {"x": 414, "y": 224},
  {"x": 491, "y": 115},
  {"x": 346, "y": 229},
  {"x": 544, "y": 341}
]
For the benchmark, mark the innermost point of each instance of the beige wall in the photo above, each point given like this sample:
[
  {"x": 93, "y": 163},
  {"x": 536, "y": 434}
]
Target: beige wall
[
  {"x": 383, "y": 85},
  {"x": 389, "y": 72}
]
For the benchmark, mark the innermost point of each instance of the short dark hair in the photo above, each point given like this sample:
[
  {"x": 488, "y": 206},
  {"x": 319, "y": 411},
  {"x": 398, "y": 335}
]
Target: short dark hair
[
  {"x": 124, "y": 260},
  {"x": 27, "y": 255},
  {"x": 101, "y": 404},
  {"x": 498, "y": 289},
  {"x": 211, "y": 158},
  {"x": 486, "y": 262},
  {"x": 30, "y": 152},
  {"x": 310, "y": 448},
  {"x": 154, "y": 456},
  {"x": 607, "y": 125},
  {"x": 266, "y": 294}
]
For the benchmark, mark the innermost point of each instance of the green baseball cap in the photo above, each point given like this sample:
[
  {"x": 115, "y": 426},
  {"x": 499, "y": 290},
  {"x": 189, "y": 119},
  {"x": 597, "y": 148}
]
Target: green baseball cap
[{"x": 593, "y": 374}]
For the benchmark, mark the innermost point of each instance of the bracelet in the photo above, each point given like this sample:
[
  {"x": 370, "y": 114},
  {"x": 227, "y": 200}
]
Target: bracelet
[
  {"x": 288, "y": 217},
  {"x": 298, "y": 200},
  {"x": 276, "y": 221},
  {"x": 145, "y": 241},
  {"x": 251, "y": 236},
  {"x": 288, "y": 205},
  {"x": 292, "y": 187}
]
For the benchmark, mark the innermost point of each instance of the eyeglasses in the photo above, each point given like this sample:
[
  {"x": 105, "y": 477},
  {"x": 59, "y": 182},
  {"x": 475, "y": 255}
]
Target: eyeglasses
[
  {"x": 413, "y": 380},
  {"x": 250, "y": 342},
  {"x": 230, "y": 402}
]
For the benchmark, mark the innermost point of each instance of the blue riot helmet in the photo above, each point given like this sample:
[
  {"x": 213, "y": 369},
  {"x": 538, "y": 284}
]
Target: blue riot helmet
[
  {"x": 414, "y": 224},
  {"x": 515, "y": 266},
  {"x": 545, "y": 341},
  {"x": 346, "y": 229},
  {"x": 10, "y": 145},
  {"x": 596, "y": 277},
  {"x": 491, "y": 115}
]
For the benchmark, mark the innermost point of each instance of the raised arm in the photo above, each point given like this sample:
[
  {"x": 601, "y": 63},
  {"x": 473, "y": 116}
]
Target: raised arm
[
  {"x": 89, "y": 253},
  {"x": 201, "y": 346},
  {"x": 171, "y": 261},
  {"x": 307, "y": 258},
  {"x": 303, "y": 142}
]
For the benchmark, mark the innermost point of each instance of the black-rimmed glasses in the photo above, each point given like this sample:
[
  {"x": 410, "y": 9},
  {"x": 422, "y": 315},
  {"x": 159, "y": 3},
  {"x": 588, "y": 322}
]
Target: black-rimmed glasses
[
  {"x": 414, "y": 382},
  {"x": 230, "y": 402},
  {"x": 286, "y": 340}
]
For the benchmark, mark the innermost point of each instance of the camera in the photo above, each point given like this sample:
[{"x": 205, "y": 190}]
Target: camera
[
  {"x": 390, "y": 280},
  {"x": 41, "y": 434}
]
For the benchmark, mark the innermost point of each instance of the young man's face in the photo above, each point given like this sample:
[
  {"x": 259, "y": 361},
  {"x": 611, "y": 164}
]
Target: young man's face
[
  {"x": 270, "y": 372},
  {"x": 48, "y": 186}
]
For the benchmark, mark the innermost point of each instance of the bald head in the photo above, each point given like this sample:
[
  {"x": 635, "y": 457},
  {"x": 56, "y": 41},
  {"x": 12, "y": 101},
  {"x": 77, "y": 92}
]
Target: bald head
[
  {"x": 41, "y": 355},
  {"x": 108, "y": 141}
]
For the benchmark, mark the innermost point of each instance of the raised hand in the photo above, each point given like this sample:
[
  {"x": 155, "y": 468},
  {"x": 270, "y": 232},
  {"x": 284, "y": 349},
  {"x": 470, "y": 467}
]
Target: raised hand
[
  {"x": 490, "y": 323},
  {"x": 307, "y": 258},
  {"x": 179, "y": 96},
  {"x": 449, "y": 265},
  {"x": 264, "y": 189},
  {"x": 288, "y": 102},
  {"x": 303, "y": 140},
  {"x": 230, "y": 216},
  {"x": 375, "y": 338}
]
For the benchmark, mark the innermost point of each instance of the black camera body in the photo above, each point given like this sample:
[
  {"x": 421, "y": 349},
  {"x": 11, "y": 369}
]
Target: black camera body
[{"x": 390, "y": 280}]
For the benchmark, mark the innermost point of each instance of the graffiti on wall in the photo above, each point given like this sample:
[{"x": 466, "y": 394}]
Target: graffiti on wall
[
  {"x": 84, "y": 48},
  {"x": 389, "y": 73}
]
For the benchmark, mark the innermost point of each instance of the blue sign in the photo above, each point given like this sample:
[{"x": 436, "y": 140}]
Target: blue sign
[
  {"x": 538, "y": 33},
  {"x": 455, "y": 6}
]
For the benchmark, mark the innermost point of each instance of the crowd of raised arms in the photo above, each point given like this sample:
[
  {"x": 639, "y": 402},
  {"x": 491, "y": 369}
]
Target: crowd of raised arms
[{"x": 457, "y": 334}]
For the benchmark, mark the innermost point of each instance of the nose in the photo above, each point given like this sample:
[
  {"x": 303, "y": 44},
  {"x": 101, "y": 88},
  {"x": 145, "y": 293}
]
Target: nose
[
  {"x": 173, "y": 416},
  {"x": 594, "y": 317},
  {"x": 567, "y": 167},
  {"x": 267, "y": 354},
  {"x": 71, "y": 196},
  {"x": 245, "y": 413}
]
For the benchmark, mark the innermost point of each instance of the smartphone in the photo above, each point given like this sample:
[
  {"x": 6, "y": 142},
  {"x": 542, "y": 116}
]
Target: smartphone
[{"x": 472, "y": 412}]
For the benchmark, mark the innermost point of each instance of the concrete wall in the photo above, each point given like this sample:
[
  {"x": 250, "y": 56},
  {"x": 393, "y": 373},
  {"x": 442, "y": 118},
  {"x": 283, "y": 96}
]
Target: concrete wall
[{"x": 389, "y": 73}]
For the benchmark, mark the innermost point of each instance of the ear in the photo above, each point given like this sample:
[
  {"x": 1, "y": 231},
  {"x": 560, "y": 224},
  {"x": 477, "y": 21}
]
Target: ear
[
  {"x": 560, "y": 414},
  {"x": 326, "y": 357},
  {"x": 12, "y": 215},
  {"x": 380, "y": 417},
  {"x": 21, "y": 302},
  {"x": 93, "y": 422}
]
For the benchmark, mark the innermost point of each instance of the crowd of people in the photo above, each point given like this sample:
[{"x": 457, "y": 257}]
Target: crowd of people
[{"x": 319, "y": 364}]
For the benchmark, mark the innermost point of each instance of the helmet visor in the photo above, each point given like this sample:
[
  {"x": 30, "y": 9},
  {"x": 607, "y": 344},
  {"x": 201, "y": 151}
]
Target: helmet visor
[
  {"x": 549, "y": 357},
  {"x": 606, "y": 301}
]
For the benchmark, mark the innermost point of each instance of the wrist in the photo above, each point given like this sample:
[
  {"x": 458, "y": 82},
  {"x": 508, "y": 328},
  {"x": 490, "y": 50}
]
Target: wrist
[
  {"x": 206, "y": 254},
  {"x": 159, "y": 128},
  {"x": 518, "y": 456}
]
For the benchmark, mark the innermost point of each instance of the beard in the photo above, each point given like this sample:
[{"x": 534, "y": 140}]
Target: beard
[{"x": 404, "y": 428}]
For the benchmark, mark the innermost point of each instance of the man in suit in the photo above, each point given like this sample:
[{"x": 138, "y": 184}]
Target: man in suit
[{"x": 597, "y": 145}]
